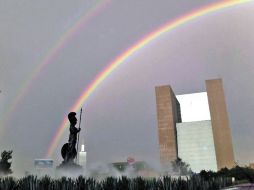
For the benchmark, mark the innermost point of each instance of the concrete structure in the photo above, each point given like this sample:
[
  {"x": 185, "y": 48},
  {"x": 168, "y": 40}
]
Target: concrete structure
[
  {"x": 196, "y": 145},
  {"x": 214, "y": 132},
  {"x": 220, "y": 124},
  {"x": 168, "y": 114}
]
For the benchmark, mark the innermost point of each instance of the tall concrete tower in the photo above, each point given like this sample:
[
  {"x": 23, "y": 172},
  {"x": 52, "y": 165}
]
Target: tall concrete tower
[
  {"x": 220, "y": 124},
  {"x": 168, "y": 114}
]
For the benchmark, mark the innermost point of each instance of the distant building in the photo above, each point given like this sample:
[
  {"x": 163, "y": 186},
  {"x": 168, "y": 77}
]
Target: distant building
[
  {"x": 202, "y": 144},
  {"x": 138, "y": 168},
  {"x": 82, "y": 156},
  {"x": 44, "y": 167},
  {"x": 43, "y": 163},
  {"x": 251, "y": 165}
]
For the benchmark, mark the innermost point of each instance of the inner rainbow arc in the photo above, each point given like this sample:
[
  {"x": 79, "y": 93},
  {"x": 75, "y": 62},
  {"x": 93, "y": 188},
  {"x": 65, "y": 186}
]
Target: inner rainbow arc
[{"x": 169, "y": 26}]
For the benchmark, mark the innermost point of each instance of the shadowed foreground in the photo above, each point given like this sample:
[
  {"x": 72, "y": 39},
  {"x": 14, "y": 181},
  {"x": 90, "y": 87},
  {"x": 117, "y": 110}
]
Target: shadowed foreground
[{"x": 110, "y": 183}]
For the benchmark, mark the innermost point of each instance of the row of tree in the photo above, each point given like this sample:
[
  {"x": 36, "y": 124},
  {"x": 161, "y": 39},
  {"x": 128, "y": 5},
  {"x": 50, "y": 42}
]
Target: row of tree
[{"x": 239, "y": 173}]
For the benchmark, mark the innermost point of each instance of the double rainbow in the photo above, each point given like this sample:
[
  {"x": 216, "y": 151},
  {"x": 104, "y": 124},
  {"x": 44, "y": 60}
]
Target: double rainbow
[
  {"x": 169, "y": 26},
  {"x": 96, "y": 9}
]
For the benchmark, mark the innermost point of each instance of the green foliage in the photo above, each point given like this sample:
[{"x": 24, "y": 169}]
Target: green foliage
[
  {"x": 239, "y": 173},
  {"x": 6, "y": 155},
  {"x": 110, "y": 183},
  {"x": 5, "y": 165},
  {"x": 180, "y": 167}
]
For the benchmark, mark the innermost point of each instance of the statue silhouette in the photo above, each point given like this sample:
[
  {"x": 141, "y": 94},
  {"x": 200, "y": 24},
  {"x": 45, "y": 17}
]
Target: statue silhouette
[{"x": 68, "y": 150}]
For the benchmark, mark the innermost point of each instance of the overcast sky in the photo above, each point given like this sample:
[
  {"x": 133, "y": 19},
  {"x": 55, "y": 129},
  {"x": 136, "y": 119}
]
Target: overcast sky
[{"x": 120, "y": 117}]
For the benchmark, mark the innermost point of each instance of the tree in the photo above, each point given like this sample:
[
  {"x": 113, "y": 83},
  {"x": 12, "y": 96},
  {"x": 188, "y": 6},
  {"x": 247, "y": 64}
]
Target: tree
[
  {"x": 207, "y": 175},
  {"x": 181, "y": 167},
  {"x": 5, "y": 165},
  {"x": 239, "y": 173}
]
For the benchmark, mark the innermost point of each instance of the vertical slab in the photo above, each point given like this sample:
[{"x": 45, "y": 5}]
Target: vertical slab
[
  {"x": 220, "y": 124},
  {"x": 168, "y": 114}
]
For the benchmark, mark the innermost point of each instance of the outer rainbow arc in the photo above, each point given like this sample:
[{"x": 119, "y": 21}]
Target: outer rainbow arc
[
  {"x": 123, "y": 57},
  {"x": 61, "y": 43}
]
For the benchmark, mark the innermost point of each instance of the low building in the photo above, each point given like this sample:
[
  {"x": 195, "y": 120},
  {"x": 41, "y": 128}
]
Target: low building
[
  {"x": 44, "y": 167},
  {"x": 138, "y": 168}
]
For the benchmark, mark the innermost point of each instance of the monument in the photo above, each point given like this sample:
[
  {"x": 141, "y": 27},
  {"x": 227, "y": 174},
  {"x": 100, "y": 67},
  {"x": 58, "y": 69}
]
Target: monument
[{"x": 69, "y": 150}]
